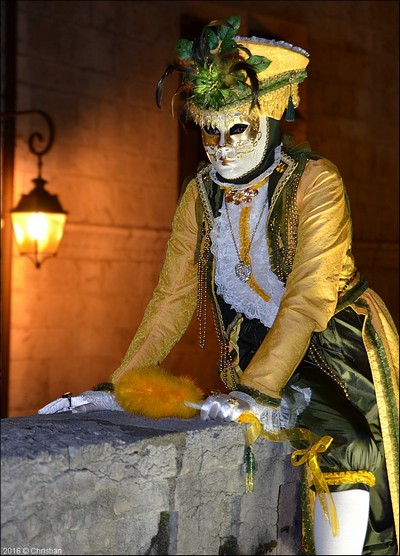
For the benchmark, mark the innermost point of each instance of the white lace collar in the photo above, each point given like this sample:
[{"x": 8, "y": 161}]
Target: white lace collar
[{"x": 236, "y": 293}]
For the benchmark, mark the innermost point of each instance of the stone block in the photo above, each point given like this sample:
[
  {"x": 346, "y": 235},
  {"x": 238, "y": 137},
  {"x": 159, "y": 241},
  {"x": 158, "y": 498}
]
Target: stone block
[{"x": 114, "y": 483}]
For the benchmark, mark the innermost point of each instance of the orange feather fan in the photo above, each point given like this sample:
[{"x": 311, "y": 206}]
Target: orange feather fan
[{"x": 156, "y": 393}]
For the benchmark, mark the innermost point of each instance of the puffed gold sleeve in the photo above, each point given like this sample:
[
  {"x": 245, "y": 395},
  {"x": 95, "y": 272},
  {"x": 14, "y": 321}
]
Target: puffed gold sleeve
[
  {"x": 309, "y": 301},
  {"x": 172, "y": 305}
]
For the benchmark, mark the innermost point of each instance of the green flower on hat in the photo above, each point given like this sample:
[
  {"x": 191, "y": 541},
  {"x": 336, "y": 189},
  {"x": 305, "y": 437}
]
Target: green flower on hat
[{"x": 216, "y": 69}]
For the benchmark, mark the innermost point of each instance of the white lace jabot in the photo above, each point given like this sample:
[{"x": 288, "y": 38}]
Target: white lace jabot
[{"x": 236, "y": 293}]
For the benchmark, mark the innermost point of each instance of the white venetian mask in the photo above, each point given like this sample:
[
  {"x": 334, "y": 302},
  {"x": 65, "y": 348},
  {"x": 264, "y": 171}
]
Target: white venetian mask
[{"x": 236, "y": 147}]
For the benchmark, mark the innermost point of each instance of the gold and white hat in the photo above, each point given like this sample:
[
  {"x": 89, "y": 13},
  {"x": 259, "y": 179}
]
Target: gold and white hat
[{"x": 225, "y": 75}]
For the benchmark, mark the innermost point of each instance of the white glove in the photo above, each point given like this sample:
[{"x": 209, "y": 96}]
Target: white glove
[
  {"x": 226, "y": 407},
  {"x": 87, "y": 401}
]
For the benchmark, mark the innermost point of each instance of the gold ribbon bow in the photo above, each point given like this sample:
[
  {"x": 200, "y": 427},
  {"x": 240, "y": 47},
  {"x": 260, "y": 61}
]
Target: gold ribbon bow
[{"x": 308, "y": 456}]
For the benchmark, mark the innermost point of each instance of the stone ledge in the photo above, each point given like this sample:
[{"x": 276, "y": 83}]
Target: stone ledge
[{"x": 113, "y": 483}]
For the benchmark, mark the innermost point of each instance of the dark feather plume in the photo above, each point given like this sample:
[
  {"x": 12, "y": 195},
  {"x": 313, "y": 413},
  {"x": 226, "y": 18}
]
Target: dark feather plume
[
  {"x": 244, "y": 48},
  {"x": 184, "y": 88},
  {"x": 198, "y": 51},
  {"x": 183, "y": 115},
  {"x": 170, "y": 69}
]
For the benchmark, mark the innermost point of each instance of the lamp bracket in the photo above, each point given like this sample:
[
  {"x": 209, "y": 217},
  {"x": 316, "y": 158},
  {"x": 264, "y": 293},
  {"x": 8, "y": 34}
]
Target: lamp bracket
[{"x": 35, "y": 136}]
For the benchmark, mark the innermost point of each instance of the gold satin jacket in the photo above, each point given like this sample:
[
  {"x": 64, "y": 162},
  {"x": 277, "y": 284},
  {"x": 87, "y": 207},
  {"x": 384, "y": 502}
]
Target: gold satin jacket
[{"x": 318, "y": 267}]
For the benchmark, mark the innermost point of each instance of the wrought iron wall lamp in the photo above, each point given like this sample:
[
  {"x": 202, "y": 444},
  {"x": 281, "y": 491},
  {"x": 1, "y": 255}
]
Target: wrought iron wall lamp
[{"x": 38, "y": 219}]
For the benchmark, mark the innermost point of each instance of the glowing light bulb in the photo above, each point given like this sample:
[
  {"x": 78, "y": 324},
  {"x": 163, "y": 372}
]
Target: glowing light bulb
[{"x": 37, "y": 226}]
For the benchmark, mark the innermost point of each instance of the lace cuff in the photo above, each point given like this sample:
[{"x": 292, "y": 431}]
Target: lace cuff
[{"x": 281, "y": 416}]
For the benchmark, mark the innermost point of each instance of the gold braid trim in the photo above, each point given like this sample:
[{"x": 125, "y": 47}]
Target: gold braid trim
[
  {"x": 244, "y": 238},
  {"x": 271, "y": 104},
  {"x": 350, "y": 477},
  {"x": 202, "y": 269},
  {"x": 254, "y": 286}
]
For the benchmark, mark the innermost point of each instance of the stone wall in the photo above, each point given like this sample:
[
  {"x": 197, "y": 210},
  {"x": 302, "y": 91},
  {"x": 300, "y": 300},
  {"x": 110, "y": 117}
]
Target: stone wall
[
  {"x": 93, "y": 65},
  {"x": 112, "y": 483}
]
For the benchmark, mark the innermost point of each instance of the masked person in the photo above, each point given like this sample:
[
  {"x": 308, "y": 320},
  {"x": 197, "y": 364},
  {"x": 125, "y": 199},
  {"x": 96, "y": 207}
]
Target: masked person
[{"x": 265, "y": 233}]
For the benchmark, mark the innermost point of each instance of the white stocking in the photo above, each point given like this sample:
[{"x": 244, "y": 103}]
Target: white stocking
[{"x": 352, "y": 508}]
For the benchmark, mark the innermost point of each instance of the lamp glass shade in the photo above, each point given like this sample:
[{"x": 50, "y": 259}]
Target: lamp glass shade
[
  {"x": 38, "y": 233},
  {"x": 38, "y": 223}
]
